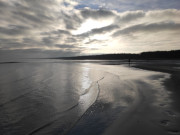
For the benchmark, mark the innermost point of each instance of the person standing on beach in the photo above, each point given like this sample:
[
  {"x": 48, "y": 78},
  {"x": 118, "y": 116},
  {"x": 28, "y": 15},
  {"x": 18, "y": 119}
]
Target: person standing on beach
[{"x": 129, "y": 61}]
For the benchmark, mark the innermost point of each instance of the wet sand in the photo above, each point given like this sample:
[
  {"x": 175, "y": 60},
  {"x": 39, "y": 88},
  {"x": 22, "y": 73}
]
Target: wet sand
[
  {"x": 86, "y": 98},
  {"x": 172, "y": 122},
  {"x": 152, "y": 107}
]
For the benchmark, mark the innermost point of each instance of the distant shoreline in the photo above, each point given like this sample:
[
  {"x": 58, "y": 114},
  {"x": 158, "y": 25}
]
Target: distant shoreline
[{"x": 174, "y": 54}]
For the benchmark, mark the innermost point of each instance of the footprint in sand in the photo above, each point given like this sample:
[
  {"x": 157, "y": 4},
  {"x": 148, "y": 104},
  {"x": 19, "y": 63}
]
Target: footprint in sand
[
  {"x": 170, "y": 113},
  {"x": 174, "y": 131},
  {"x": 162, "y": 105},
  {"x": 169, "y": 128},
  {"x": 165, "y": 122}
]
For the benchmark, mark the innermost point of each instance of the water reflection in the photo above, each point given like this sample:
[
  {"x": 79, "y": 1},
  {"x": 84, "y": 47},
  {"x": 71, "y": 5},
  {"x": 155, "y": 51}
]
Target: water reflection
[
  {"x": 38, "y": 95},
  {"x": 85, "y": 80},
  {"x": 49, "y": 98},
  {"x": 122, "y": 90}
]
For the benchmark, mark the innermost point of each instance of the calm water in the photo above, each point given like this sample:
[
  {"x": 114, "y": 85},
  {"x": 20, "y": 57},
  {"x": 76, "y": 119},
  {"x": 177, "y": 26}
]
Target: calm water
[{"x": 51, "y": 96}]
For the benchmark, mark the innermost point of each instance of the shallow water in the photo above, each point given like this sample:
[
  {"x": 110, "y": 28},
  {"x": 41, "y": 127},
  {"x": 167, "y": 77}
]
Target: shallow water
[{"x": 51, "y": 96}]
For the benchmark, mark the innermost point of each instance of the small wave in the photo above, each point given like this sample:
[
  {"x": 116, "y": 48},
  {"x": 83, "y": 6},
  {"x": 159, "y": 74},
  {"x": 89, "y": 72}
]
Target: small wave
[
  {"x": 10, "y": 62},
  {"x": 53, "y": 121},
  {"x": 14, "y": 99}
]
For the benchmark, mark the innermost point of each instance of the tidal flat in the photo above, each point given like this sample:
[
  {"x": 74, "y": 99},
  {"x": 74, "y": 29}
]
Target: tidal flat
[{"x": 57, "y": 97}]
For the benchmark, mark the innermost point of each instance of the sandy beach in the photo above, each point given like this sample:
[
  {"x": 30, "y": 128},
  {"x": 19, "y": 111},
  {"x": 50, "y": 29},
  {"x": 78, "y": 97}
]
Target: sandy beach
[
  {"x": 154, "y": 109},
  {"x": 89, "y": 67},
  {"x": 89, "y": 97}
]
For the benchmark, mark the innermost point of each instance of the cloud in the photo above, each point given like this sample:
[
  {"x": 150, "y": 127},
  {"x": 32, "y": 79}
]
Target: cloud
[
  {"x": 148, "y": 28},
  {"x": 131, "y": 5},
  {"x": 95, "y": 41},
  {"x": 65, "y": 46},
  {"x": 101, "y": 30},
  {"x": 129, "y": 16},
  {"x": 105, "y": 29},
  {"x": 57, "y": 32},
  {"x": 168, "y": 14},
  {"x": 13, "y": 55},
  {"x": 13, "y": 30},
  {"x": 97, "y": 14},
  {"x": 49, "y": 25},
  {"x": 28, "y": 17},
  {"x": 71, "y": 21},
  {"x": 36, "y": 24}
]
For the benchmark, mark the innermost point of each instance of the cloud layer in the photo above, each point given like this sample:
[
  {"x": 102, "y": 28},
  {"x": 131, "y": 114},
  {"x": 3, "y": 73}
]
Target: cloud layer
[
  {"x": 59, "y": 26},
  {"x": 126, "y": 5}
]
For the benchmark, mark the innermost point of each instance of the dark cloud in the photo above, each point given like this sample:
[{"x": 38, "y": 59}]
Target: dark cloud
[
  {"x": 3, "y": 4},
  {"x": 31, "y": 42},
  {"x": 13, "y": 30},
  {"x": 39, "y": 19},
  {"x": 65, "y": 46},
  {"x": 53, "y": 42},
  {"x": 71, "y": 22},
  {"x": 28, "y": 12},
  {"x": 130, "y": 16},
  {"x": 12, "y": 44},
  {"x": 58, "y": 32},
  {"x": 96, "y": 14},
  {"x": 49, "y": 40},
  {"x": 154, "y": 27},
  {"x": 71, "y": 40},
  {"x": 35, "y": 53},
  {"x": 15, "y": 43},
  {"x": 61, "y": 32}
]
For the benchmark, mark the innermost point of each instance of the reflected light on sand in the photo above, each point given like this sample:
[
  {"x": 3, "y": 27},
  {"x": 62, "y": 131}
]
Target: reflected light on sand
[{"x": 85, "y": 78}]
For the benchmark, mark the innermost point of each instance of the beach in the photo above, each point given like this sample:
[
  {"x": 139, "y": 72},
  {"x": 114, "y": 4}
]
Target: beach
[
  {"x": 160, "y": 117},
  {"x": 153, "y": 109},
  {"x": 89, "y": 97}
]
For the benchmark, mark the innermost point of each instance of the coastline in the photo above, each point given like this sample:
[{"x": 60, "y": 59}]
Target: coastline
[
  {"x": 140, "y": 98},
  {"x": 172, "y": 84},
  {"x": 140, "y": 117}
]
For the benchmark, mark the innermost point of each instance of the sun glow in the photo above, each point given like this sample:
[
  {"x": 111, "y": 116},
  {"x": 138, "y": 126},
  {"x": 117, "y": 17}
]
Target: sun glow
[
  {"x": 100, "y": 37},
  {"x": 90, "y": 24}
]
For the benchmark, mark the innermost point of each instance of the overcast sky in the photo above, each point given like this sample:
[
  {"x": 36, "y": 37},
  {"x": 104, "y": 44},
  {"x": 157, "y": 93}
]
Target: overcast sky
[{"x": 51, "y": 28}]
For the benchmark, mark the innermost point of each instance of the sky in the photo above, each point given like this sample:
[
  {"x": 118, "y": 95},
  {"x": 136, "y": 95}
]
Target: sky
[{"x": 61, "y": 28}]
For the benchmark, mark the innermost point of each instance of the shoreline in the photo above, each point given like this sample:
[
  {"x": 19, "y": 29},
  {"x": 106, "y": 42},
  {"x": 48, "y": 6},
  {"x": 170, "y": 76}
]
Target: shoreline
[
  {"x": 130, "y": 100},
  {"x": 141, "y": 117},
  {"x": 172, "y": 84}
]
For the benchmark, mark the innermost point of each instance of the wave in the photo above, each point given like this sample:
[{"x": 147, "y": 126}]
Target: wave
[{"x": 51, "y": 122}]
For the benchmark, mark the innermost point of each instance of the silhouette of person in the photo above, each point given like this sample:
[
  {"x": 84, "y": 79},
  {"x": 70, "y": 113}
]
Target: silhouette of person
[{"x": 129, "y": 60}]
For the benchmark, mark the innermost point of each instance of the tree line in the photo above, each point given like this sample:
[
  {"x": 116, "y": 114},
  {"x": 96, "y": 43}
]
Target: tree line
[{"x": 174, "y": 54}]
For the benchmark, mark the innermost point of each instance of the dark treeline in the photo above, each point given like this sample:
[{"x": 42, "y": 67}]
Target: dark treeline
[{"x": 175, "y": 54}]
